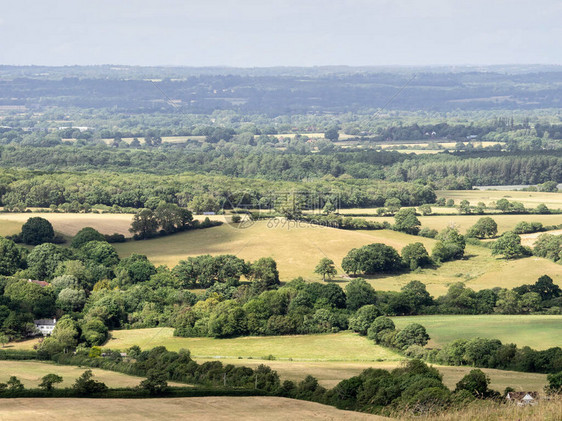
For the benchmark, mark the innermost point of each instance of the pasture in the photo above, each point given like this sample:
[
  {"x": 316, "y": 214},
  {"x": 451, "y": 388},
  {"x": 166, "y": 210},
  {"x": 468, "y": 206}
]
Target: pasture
[
  {"x": 464, "y": 222},
  {"x": 331, "y": 373},
  {"x": 529, "y": 199},
  {"x": 328, "y": 357},
  {"x": 31, "y": 372},
  {"x": 210, "y": 408},
  {"x": 324, "y": 347},
  {"x": 536, "y": 331}
]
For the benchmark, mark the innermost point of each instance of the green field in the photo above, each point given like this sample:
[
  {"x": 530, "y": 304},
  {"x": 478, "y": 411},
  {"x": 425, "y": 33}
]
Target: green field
[
  {"x": 325, "y": 347},
  {"x": 329, "y": 357},
  {"x": 31, "y": 372},
  {"x": 536, "y": 331}
]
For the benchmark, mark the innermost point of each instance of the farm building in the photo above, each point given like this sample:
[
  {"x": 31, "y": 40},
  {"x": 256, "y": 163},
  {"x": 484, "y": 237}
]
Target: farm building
[{"x": 522, "y": 398}]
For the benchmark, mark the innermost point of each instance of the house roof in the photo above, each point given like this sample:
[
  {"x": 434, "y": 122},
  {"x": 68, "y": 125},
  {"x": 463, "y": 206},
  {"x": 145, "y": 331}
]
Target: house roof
[
  {"x": 522, "y": 396},
  {"x": 40, "y": 283},
  {"x": 45, "y": 322}
]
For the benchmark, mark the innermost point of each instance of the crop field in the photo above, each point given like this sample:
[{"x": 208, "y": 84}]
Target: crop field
[
  {"x": 31, "y": 372},
  {"x": 210, "y": 408},
  {"x": 529, "y": 199},
  {"x": 324, "y": 347},
  {"x": 536, "y": 331},
  {"x": 530, "y": 239}
]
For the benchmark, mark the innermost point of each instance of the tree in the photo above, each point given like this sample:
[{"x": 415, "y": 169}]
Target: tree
[
  {"x": 475, "y": 382},
  {"x": 85, "y": 235},
  {"x": 464, "y": 207},
  {"x": 134, "y": 269},
  {"x": 359, "y": 293},
  {"x": 380, "y": 325},
  {"x": 509, "y": 244},
  {"x": 14, "y": 384},
  {"x": 425, "y": 209},
  {"x": 415, "y": 255},
  {"x": 171, "y": 217},
  {"x": 363, "y": 318},
  {"x": 412, "y": 334},
  {"x": 450, "y": 246},
  {"x": 372, "y": 259},
  {"x": 546, "y": 288},
  {"x": 263, "y": 274},
  {"x": 416, "y": 295},
  {"x": 392, "y": 205},
  {"x": 144, "y": 225},
  {"x": 554, "y": 383},
  {"x": 155, "y": 382},
  {"x": 44, "y": 260},
  {"x": 326, "y": 268},
  {"x": 12, "y": 257},
  {"x": 483, "y": 228},
  {"x": 85, "y": 385},
  {"x": 36, "y": 231},
  {"x": 70, "y": 299},
  {"x": 4, "y": 339},
  {"x": 407, "y": 221},
  {"x": 48, "y": 381},
  {"x": 332, "y": 134},
  {"x": 100, "y": 252}
]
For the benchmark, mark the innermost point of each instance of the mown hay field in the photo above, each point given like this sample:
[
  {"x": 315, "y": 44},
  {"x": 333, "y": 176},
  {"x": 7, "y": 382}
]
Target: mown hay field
[
  {"x": 210, "y": 408},
  {"x": 529, "y": 199}
]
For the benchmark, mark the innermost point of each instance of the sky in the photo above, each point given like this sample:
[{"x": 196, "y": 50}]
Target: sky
[{"x": 263, "y": 33}]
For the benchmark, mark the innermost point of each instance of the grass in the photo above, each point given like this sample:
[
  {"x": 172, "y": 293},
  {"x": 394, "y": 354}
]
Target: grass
[
  {"x": 31, "y": 372},
  {"x": 9, "y": 227},
  {"x": 329, "y": 357},
  {"x": 464, "y": 222},
  {"x": 331, "y": 373},
  {"x": 325, "y": 347},
  {"x": 529, "y": 199},
  {"x": 211, "y": 408},
  {"x": 536, "y": 331}
]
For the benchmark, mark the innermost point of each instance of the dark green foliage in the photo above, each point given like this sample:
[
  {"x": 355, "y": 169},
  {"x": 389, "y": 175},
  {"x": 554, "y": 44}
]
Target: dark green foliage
[
  {"x": 363, "y": 318},
  {"x": 155, "y": 382},
  {"x": 85, "y": 235},
  {"x": 372, "y": 259},
  {"x": 44, "y": 259},
  {"x": 483, "y": 228},
  {"x": 412, "y": 334},
  {"x": 415, "y": 256},
  {"x": 450, "y": 246},
  {"x": 49, "y": 380},
  {"x": 12, "y": 257},
  {"x": 358, "y": 294},
  {"x": 263, "y": 274},
  {"x": 100, "y": 252},
  {"x": 85, "y": 385},
  {"x": 509, "y": 245},
  {"x": 205, "y": 271},
  {"x": 134, "y": 269},
  {"x": 37, "y": 231},
  {"x": 407, "y": 221},
  {"x": 475, "y": 382}
]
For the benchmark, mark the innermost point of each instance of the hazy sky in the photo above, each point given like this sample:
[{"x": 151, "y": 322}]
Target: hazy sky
[{"x": 251, "y": 33}]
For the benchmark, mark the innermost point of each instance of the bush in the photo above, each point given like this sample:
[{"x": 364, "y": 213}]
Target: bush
[{"x": 36, "y": 231}]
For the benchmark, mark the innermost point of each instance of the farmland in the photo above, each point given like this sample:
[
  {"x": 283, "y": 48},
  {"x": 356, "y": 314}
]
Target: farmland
[
  {"x": 329, "y": 357},
  {"x": 325, "y": 347},
  {"x": 31, "y": 372},
  {"x": 529, "y": 199},
  {"x": 536, "y": 331},
  {"x": 201, "y": 408}
]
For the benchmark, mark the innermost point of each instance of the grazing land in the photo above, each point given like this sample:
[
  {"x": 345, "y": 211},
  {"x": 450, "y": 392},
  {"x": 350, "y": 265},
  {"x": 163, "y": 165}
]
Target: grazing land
[
  {"x": 329, "y": 357},
  {"x": 31, "y": 372},
  {"x": 464, "y": 222},
  {"x": 211, "y": 408},
  {"x": 529, "y": 199},
  {"x": 324, "y": 347},
  {"x": 330, "y": 373},
  {"x": 536, "y": 331}
]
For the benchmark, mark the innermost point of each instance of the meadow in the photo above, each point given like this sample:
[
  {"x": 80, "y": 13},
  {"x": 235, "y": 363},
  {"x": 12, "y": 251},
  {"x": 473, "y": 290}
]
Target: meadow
[
  {"x": 536, "y": 331},
  {"x": 210, "y": 408},
  {"x": 31, "y": 372},
  {"x": 328, "y": 357},
  {"x": 323, "y": 347},
  {"x": 529, "y": 199}
]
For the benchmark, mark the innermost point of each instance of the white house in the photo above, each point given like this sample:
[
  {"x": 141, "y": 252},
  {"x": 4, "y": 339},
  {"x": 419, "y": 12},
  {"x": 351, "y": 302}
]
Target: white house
[{"x": 45, "y": 326}]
